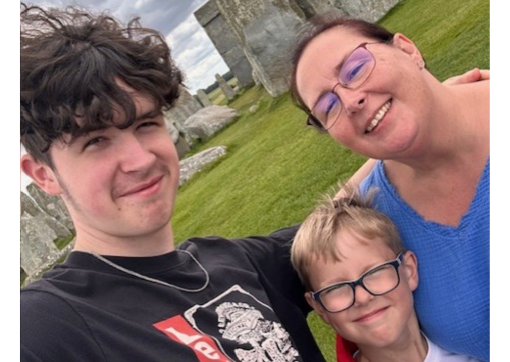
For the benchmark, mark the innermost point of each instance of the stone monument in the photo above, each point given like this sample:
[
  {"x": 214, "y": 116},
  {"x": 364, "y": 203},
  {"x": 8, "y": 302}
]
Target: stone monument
[
  {"x": 203, "y": 98},
  {"x": 266, "y": 30},
  {"x": 225, "y": 42},
  {"x": 225, "y": 88}
]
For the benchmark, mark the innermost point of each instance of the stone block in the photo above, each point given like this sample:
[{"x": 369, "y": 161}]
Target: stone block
[
  {"x": 193, "y": 164},
  {"x": 185, "y": 106},
  {"x": 256, "y": 38},
  {"x": 225, "y": 42},
  {"x": 225, "y": 87},
  {"x": 29, "y": 207},
  {"x": 204, "y": 98},
  {"x": 52, "y": 205},
  {"x": 267, "y": 31},
  {"x": 208, "y": 121},
  {"x": 37, "y": 249}
]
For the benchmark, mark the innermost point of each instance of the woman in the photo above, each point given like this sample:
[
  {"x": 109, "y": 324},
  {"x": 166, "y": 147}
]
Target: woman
[{"x": 370, "y": 90}]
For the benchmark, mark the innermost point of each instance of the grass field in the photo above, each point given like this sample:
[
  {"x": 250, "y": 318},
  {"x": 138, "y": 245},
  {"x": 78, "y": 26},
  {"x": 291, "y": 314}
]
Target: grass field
[{"x": 276, "y": 168}]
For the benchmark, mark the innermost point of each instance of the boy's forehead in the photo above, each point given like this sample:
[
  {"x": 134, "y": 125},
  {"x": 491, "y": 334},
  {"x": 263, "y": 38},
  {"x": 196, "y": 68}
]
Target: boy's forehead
[{"x": 349, "y": 240}]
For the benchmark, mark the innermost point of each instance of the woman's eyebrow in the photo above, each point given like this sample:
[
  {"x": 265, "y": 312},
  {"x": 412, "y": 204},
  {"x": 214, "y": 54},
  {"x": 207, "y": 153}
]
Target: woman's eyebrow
[{"x": 338, "y": 68}]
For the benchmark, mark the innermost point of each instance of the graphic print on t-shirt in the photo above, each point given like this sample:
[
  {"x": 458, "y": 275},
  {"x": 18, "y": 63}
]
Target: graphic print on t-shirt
[
  {"x": 233, "y": 326},
  {"x": 178, "y": 329}
]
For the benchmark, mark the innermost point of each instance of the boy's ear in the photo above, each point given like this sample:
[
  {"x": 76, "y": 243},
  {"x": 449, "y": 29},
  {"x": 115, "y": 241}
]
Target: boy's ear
[
  {"x": 41, "y": 174},
  {"x": 407, "y": 46},
  {"x": 317, "y": 307},
  {"x": 410, "y": 265}
]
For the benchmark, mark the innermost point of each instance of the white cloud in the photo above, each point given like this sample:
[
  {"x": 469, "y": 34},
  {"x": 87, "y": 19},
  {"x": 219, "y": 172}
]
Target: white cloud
[
  {"x": 195, "y": 55},
  {"x": 191, "y": 47},
  {"x": 202, "y": 74}
]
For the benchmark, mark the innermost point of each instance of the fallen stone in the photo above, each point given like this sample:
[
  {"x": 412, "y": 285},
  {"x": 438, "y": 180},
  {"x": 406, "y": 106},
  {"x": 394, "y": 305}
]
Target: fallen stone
[
  {"x": 193, "y": 164},
  {"x": 209, "y": 120}
]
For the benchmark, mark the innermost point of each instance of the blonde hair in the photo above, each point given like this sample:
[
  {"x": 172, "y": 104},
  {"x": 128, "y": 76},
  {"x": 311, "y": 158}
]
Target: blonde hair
[{"x": 316, "y": 237}]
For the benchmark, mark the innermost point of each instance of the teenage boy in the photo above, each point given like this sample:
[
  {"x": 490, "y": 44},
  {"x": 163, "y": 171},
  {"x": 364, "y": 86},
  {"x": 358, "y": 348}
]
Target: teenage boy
[
  {"x": 360, "y": 279},
  {"x": 92, "y": 95}
]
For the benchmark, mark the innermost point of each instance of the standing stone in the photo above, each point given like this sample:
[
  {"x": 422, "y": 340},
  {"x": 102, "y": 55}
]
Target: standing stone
[
  {"x": 175, "y": 117},
  {"x": 52, "y": 205},
  {"x": 256, "y": 78},
  {"x": 182, "y": 146},
  {"x": 185, "y": 106},
  {"x": 204, "y": 98},
  {"x": 225, "y": 42},
  {"x": 37, "y": 249},
  {"x": 267, "y": 29},
  {"x": 29, "y": 207},
  {"x": 313, "y": 7},
  {"x": 369, "y": 10},
  {"x": 225, "y": 88},
  {"x": 180, "y": 136}
]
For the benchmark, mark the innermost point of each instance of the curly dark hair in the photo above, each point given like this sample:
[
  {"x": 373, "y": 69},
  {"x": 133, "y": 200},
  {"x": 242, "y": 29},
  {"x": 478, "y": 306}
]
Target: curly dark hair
[{"x": 71, "y": 62}]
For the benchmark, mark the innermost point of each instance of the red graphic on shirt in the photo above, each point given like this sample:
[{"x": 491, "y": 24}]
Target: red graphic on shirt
[{"x": 178, "y": 329}]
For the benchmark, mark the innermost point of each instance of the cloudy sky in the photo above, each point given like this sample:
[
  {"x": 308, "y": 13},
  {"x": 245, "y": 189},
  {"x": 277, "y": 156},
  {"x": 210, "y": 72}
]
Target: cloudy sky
[{"x": 191, "y": 47}]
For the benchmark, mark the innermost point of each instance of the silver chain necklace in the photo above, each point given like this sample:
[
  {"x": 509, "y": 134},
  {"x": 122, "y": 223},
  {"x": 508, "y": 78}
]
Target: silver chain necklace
[{"x": 130, "y": 272}]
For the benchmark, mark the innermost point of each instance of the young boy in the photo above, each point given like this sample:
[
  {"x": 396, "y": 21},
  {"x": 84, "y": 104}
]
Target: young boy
[{"x": 360, "y": 280}]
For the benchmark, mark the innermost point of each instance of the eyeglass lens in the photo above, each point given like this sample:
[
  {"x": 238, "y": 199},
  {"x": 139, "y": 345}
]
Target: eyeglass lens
[
  {"x": 356, "y": 69},
  {"x": 377, "y": 282}
]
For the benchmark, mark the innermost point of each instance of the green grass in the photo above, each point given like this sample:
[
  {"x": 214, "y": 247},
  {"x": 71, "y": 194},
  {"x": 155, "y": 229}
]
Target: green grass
[
  {"x": 276, "y": 168},
  {"x": 266, "y": 176},
  {"x": 61, "y": 243},
  {"x": 453, "y": 36}
]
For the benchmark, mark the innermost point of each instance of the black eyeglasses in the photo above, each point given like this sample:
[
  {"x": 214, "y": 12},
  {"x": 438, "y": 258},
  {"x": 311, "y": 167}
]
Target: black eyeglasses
[
  {"x": 377, "y": 281},
  {"x": 354, "y": 71}
]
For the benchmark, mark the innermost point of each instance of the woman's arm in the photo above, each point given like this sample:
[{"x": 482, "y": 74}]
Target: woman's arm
[{"x": 473, "y": 75}]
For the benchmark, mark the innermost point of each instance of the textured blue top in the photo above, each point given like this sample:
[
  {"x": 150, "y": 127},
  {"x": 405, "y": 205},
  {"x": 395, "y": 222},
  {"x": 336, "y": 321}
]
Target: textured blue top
[{"x": 453, "y": 297}]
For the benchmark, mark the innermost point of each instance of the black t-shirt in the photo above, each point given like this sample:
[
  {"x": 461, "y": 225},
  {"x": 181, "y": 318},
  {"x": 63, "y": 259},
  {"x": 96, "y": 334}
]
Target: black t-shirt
[{"x": 252, "y": 308}]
